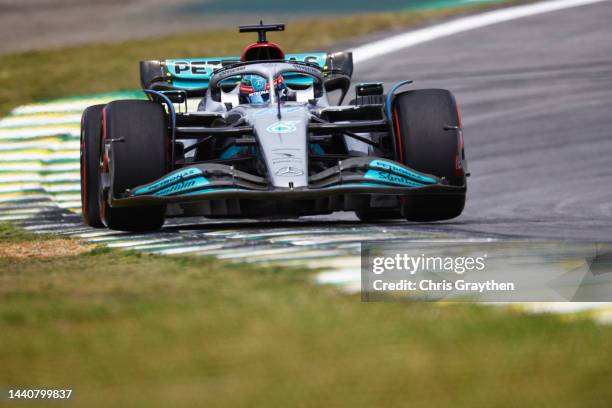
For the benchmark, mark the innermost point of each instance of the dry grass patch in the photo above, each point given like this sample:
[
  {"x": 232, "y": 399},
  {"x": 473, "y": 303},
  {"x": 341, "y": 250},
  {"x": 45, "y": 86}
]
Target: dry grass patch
[
  {"x": 42, "y": 249},
  {"x": 19, "y": 244}
]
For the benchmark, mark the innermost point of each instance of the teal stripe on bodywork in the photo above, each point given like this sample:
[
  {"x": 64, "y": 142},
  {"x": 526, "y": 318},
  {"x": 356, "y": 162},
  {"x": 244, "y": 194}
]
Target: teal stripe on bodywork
[
  {"x": 384, "y": 176},
  {"x": 195, "y": 68},
  {"x": 182, "y": 186},
  {"x": 317, "y": 149},
  {"x": 170, "y": 179},
  {"x": 389, "y": 166},
  {"x": 319, "y": 58},
  {"x": 194, "y": 73},
  {"x": 233, "y": 151}
]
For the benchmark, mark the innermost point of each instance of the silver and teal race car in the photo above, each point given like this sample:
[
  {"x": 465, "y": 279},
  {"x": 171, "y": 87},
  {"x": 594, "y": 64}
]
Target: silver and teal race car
[{"x": 257, "y": 136}]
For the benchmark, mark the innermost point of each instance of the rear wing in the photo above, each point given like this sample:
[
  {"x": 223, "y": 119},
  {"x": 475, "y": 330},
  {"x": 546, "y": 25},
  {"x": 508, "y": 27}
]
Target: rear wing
[{"x": 193, "y": 75}]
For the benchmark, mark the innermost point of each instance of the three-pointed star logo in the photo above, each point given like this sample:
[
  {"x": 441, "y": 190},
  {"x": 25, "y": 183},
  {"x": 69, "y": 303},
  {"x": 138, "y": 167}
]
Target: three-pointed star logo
[{"x": 289, "y": 171}]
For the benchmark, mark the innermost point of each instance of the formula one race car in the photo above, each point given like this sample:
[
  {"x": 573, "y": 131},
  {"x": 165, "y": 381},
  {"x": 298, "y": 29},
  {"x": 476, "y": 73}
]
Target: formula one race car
[{"x": 257, "y": 136}]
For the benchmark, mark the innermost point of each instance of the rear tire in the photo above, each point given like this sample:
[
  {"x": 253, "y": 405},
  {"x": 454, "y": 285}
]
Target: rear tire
[
  {"x": 91, "y": 137},
  {"x": 137, "y": 133},
  {"x": 425, "y": 143}
]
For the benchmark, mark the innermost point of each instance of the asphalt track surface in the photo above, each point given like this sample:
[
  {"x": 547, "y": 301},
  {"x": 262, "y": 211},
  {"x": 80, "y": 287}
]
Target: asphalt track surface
[{"x": 536, "y": 99}]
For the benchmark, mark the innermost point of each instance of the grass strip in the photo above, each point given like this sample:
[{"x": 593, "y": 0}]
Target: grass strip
[{"x": 131, "y": 329}]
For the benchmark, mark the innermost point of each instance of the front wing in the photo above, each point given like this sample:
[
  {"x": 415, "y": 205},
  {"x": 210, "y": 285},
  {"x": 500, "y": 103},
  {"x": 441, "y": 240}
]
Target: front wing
[{"x": 367, "y": 175}]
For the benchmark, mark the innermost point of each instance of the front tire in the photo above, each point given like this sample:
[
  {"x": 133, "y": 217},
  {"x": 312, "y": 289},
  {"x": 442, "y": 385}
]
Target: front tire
[
  {"x": 135, "y": 134},
  {"x": 91, "y": 138},
  {"x": 428, "y": 136}
]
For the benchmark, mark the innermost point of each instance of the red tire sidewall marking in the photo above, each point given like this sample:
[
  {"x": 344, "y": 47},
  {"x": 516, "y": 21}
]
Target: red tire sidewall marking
[
  {"x": 400, "y": 144},
  {"x": 105, "y": 163},
  {"x": 84, "y": 167},
  {"x": 458, "y": 159},
  {"x": 103, "y": 147}
]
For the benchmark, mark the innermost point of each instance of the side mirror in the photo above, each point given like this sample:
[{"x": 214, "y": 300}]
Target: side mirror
[{"x": 338, "y": 71}]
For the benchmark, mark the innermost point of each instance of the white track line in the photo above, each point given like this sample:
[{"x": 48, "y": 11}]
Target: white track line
[{"x": 397, "y": 42}]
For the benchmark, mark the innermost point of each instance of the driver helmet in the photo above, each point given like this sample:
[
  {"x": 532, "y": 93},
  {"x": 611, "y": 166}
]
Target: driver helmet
[{"x": 254, "y": 89}]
